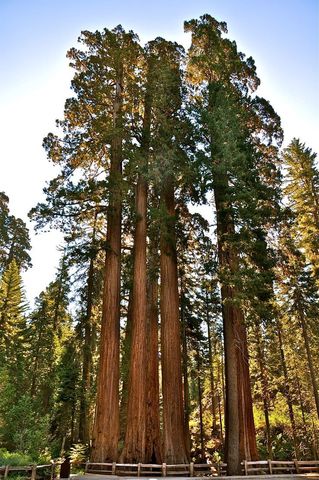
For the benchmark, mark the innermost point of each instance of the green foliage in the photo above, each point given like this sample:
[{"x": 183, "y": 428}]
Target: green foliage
[
  {"x": 14, "y": 238},
  {"x": 302, "y": 190},
  {"x": 14, "y": 458},
  {"x": 21, "y": 459},
  {"x": 22, "y": 428},
  {"x": 78, "y": 453},
  {"x": 12, "y": 318}
]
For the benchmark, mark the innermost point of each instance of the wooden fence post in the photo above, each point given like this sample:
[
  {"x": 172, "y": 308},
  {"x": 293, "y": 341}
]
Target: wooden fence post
[
  {"x": 296, "y": 465},
  {"x": 246, "y": 467},
  {"x": 164, "y": 469},
  {"x": 113, "y": 468},
  {"x": 270, "y": 467},
  {"x": 191, "y": 469},
  {"x": 33, "y": 472},
  {"x": 6, "y": 471},
  {"x": 52, "y": 469}
]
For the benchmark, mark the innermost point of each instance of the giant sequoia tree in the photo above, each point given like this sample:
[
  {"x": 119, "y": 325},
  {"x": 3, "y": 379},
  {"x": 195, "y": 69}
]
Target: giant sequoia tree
[
  {"x": 184, "y": 313},
  {"x": 230, "y": 123},
  {"x": 169, "y": 156}
]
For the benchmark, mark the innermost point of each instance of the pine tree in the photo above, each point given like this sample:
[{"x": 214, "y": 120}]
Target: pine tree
[
  {"x": 16, "y": 408},
  {"x": 14, "y": 238},
  {"x": 302, "y": 190},
  {"x": 12, "y": 321},
  {"x": 300, "y": 295},
  {"x": 64, "y": 424}
]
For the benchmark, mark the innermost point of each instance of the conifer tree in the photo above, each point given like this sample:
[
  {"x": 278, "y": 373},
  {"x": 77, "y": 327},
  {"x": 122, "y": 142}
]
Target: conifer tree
[
  {"x": 121, "y": 52},
  {"x": 12, "y": 321},
  {"x": 230, "y": 124},
  {"x": 169, "y": 156},
  {"x": 14, "y": 238},
  {"x": 135, "y": 445},
  {"x": 95, "y": 126},
  {"x": 298, "y": 290},
  {"x": 48, "y": 329},
  {"x": 64, "y": 421},
  {"x": 302, "y": 190}
]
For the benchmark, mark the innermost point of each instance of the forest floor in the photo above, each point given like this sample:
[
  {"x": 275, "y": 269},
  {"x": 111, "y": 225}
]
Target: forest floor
[{"x": 90, "y": 476}]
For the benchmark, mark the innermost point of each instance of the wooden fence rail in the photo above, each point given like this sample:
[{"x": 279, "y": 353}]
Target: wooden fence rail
[
  {"x": 32, "y": 469},
  {"x": 164, "y": 470},
  {"x": 280, "y": 467},
  {"x": 258, "y": 468}
]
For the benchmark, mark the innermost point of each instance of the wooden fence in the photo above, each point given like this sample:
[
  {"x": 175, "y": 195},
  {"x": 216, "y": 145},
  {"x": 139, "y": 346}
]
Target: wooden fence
[
  {"x": 156, "y": 470},
  {"x": 258, "y": 468},
  {"x": 280, "y": 467},
  {"x": 29, "y": 469},
  {"x": 265, "y": 467}
]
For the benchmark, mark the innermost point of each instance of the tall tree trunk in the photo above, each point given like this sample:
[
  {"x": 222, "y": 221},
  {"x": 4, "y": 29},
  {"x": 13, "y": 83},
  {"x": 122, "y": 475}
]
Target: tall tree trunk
[
  {"x": 223, "y": 387},
  {"x": 309, "y": 354},
  {"x": 220, "y": 397},
  {"x": 200, "y": 407},
  {"x": 301, "y": 402},
  {"x": 175, "y": 448},
  {"x": 153, "y": 432},
  {"x": 126, "y": 354},
  {"x": 185, "y": 368},
  {"x": 240, "y": 429},
  {"x": 287, "y": 392},
  {"x": 264, "y": 385},
  {"x": 211, "y": 371},
  {"x": 106, "y": 423},
  {"x": 135, "y": 437},
  {"x": 315, "y": 444},
  {"x": 84, "y": 417}
]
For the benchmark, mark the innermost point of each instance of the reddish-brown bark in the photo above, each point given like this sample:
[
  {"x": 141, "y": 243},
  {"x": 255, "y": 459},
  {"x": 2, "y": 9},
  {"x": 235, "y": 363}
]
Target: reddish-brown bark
[
  {"x": 125, "y": 361},
  {"x": 185, "y": 369},
  {"x": 84, "y": 417},
  {"x": 106, "y": 422},
  {"x": 213, "y": 392},
  {"x": 153, "y": 432},
  {"x": 175, "y": 449},
  {"x": 135, "y": 437},
  {"x": 264, "y": 383},
  {"x": 240, "y": 430}
]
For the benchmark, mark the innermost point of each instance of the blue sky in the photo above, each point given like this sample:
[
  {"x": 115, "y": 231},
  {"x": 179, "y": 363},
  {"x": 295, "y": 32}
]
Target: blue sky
[{"x": 281, "y": 35}]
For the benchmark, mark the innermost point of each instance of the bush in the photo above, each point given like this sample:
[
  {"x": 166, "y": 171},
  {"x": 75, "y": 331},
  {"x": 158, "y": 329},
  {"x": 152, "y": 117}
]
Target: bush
[
  {"x": 23, "y": 429},
  {"x": 79, "y": 453},
  {"x": 14, "y": 458}
]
